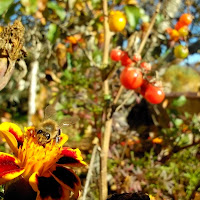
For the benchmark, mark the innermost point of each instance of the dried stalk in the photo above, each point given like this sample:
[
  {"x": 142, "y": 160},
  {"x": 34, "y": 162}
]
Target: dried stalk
[
  {"x": 108, "y": 124},
  {"x": 89, "y": 174},
  {"x": 33, "y": 84}
]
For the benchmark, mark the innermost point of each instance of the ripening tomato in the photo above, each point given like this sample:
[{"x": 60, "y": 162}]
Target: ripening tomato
[
  {"x": 179, "y": 25},
  {"x": 143, "y": 87},
  {"x": 137, "y": 57},
  {"x": 153, "y": 94},
  {"x": 116, "y": 54},
  {"x": 181, "y": 51},
  {"x": 117, "y": 21},
  {"x": 125, "y": 60},
  {"x": 183, "y": 32},
  {"x": 146, "y": 66},
  {"x": 131, "y": 78},
  {"x": 186, "y": 19},
  {"x": 174, "y": 35}
]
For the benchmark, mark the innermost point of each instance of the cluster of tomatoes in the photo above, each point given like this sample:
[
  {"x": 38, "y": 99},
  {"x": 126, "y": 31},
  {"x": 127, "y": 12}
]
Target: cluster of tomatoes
[
  {"x": 134, "y": 76},
  {"x": 180, "y": 32}
]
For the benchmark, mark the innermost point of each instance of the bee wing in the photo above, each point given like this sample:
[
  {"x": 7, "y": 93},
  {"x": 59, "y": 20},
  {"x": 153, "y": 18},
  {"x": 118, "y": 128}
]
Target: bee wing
[
  {"x": 49, "y": 112},
  {"x": 68, "y": 121}
]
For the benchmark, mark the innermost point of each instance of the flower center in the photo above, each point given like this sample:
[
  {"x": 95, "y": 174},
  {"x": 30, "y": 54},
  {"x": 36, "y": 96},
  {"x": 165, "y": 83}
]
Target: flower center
[{"x": 35, "y": 157}]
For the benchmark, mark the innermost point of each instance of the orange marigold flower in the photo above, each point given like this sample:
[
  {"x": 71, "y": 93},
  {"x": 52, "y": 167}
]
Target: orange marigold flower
[{"x": 44, "y": 168}]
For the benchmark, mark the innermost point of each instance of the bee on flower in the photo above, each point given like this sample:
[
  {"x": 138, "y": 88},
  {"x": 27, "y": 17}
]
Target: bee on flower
[{"x": 35, "y": 171}]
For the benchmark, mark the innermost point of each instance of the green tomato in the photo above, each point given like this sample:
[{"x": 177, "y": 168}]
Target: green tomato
[{"x": 181, "y": 51}]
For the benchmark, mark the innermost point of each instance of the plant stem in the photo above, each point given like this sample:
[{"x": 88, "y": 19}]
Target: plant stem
[{"x": 108, "y": 123}]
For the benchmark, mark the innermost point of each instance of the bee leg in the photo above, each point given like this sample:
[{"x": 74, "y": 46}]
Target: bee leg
[
  {"x": 59, "y": 131},
  {"x": 57, "y": 139}
]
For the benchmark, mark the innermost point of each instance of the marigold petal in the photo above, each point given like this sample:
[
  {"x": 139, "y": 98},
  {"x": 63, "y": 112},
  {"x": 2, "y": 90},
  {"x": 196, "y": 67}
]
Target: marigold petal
[
  {"x": 33, "y": 181},
  {"x": 68, "y": 179},
  {"x": 71, "y": 157},
  {"x": 14, "y": 130},
  {"x": 65, "y": 195},
  {"x": 49, "y": 189},
  {"x": 11, "y": 140},
  {"x": 9, "y": 168},
  {"x": 63, "y": 139}
]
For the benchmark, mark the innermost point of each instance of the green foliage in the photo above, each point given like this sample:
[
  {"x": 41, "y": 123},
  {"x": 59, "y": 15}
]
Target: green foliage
[
  {"x": 133, "y": 14},
  {"x": 53, "y": 32},
  {"x": 57, "y": 9},
  {"x": 5, "y": 5}
]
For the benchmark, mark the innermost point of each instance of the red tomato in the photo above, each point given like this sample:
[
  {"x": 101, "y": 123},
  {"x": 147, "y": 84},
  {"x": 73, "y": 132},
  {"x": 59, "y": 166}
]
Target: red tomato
[
  {"x": 179, "y": 25},
  {"x": 131, "y": 78},
  {"x": 186, "y": 19},
  {"x": 143, "y": 87},
  {"x": 116, "y": 54},
  {"x": 153, "y": 94},
  {"x": 137, "y": 57},
  {"x": 146, "y": 66},
  {"x": 125, "y": 60}
]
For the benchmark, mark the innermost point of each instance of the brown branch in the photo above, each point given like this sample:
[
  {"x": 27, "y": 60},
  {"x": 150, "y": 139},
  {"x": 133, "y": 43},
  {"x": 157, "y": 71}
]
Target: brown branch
[{"x": 177, "y": 149}]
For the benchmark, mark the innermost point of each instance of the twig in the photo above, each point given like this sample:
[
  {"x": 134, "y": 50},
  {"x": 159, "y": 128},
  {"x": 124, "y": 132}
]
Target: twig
[
  {"x": 149, "y": 29},
  {"x": 125, "y": 100},
  {"x": 108, "y": 123},
  {"x": 33, "y": 84},
  {"x": 32, "y": 90},
  {"x": 177, "y": 149},
  {"x": 89, "y": 174},
  {"x": 192, "y": 196}
]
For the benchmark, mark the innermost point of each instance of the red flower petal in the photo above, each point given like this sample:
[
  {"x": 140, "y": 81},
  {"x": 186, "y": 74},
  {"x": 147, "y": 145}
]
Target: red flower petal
[
  {"x": 9, "y": 168},
  {"x": 68, "y": 179},
  {"x": 71, "y": 157},
  {"x": 50, "y": 189}
]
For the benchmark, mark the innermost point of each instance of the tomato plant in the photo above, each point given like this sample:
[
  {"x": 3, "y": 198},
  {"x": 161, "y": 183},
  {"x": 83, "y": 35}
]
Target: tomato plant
[
  {"x": 116, "y": 54},
  {"x": 153, "y": 94},
  {"x": 117, "y": 21},
  {"x": 131, "y": 78},
  {"x": 181, "y": 51}
]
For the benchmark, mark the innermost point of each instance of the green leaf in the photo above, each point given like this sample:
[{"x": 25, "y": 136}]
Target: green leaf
[
  {"x": 133, "y": 15},
  {"x": 57, "y": 9},
  {"x": 4, "y": 5},
  {"x": 179, "y": 101},
  {"x": 178, "y": 122},
  {"x": 52, "y": 33},
  {"x": 30, "y": 6}
]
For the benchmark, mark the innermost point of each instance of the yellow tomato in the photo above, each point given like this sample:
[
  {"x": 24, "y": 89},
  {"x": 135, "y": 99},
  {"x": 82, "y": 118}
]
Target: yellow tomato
[{"x": 117, "y": 21}]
